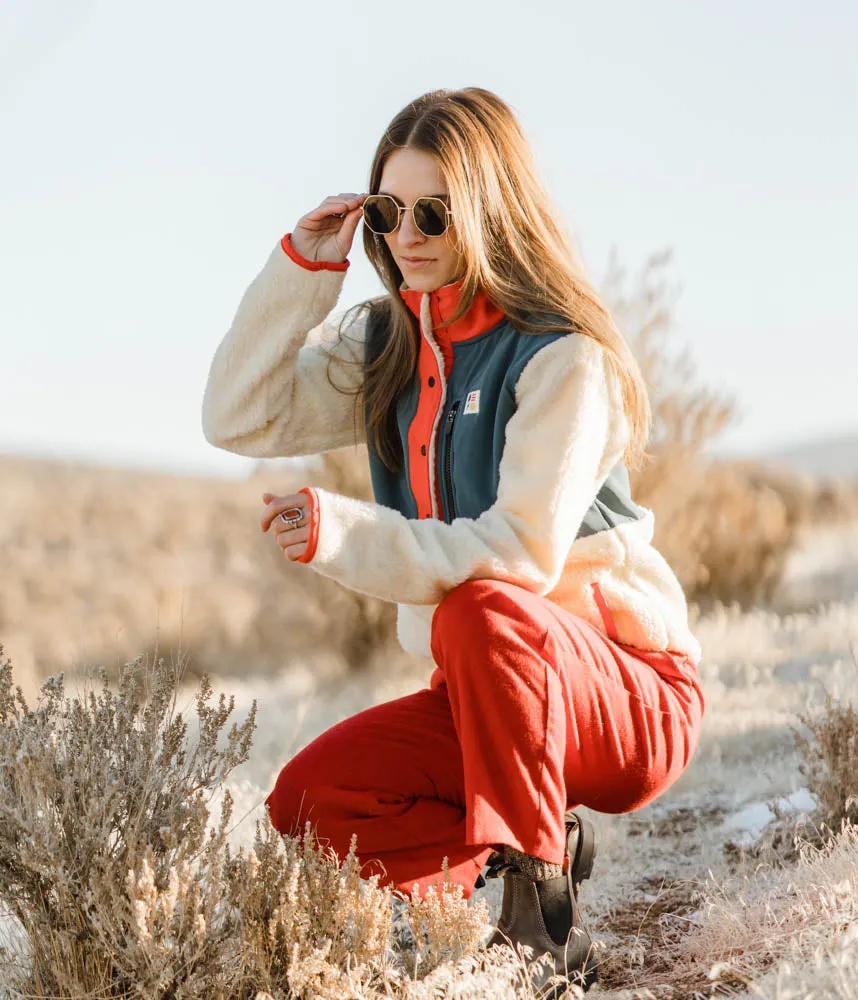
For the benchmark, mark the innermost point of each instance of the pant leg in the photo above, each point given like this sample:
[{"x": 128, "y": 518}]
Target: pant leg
[
  {"x": 551, "y": 713},
  {"x": 530, "y": 711},
  {"x": 392, "y": 774}
]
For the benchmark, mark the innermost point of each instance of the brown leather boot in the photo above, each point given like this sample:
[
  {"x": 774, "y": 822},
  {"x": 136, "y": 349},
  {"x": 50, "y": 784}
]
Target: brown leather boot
[{"x": 521, "y": 921}]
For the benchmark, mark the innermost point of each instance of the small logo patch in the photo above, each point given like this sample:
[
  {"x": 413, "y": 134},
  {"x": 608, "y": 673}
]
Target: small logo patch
[{"x": 472, "y": 403}]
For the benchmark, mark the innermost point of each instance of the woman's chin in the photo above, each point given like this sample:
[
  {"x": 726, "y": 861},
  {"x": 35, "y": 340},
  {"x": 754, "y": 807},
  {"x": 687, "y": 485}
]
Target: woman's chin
[{"x": 426, "y": 282}]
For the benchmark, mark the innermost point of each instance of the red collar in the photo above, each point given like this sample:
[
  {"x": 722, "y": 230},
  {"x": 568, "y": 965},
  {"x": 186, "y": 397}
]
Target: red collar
[{"x": 481, "y": 316}]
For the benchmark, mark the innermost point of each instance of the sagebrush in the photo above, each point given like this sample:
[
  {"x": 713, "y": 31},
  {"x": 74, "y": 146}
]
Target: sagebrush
[{"x": 121, "y": 885}]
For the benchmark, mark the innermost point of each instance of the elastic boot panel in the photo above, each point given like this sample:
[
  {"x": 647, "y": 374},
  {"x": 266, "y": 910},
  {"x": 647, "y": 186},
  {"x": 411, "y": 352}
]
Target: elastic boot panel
[{"x": 556, "y": 906}]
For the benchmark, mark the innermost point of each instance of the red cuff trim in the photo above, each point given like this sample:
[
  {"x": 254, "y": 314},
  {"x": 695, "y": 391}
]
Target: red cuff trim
[
  {"x": 311, "y": 265},
  {"x": 313, "y": 540}
]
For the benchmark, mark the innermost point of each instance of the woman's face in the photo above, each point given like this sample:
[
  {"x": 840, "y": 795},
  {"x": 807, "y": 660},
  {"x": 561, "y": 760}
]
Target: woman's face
[{"x": 410, "y": 174}]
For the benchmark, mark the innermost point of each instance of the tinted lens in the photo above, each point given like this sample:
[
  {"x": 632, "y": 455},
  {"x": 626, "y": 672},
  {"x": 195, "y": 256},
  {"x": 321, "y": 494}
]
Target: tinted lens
[
  {"x": 381, "y": 213},
  {"x": 430, "y": 216}
]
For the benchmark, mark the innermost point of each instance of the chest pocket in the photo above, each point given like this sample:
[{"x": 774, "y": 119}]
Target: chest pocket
[{"x": 471, "y": 437}]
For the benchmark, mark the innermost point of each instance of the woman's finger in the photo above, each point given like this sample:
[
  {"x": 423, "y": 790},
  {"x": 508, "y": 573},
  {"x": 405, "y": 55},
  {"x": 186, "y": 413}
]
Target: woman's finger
[
  {"x": 273, "y": 517},
  {"x": 275, "y": 505},
  {"x": 328, "y": 209},
  {"x": 350, "y": 224},
  {"x": 333, "y": 206},
  {"x": 293, "y": 541},
  {"x": 290, "y": 536},
  {"x": 293, "y": 552},
  {"x": 350, "y": 196},
  {"x": 329, "y": 223},
  {"x": 283, "y": 498}
]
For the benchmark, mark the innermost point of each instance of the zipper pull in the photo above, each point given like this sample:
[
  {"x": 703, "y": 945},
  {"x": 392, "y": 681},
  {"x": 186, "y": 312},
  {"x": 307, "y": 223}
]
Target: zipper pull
[{"x": 451, "y": 416}]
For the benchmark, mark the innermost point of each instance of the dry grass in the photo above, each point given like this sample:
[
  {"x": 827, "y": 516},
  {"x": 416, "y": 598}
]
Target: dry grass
[
  {"x": 830, "y": 753},
  {"x": 754, "y": 922},
  {"x": 766, "y": 933},
  {"x": 134, "y": 563}
]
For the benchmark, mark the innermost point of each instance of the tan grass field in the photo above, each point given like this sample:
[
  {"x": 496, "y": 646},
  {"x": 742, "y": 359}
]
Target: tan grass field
[{"x": 694, "y": 895}]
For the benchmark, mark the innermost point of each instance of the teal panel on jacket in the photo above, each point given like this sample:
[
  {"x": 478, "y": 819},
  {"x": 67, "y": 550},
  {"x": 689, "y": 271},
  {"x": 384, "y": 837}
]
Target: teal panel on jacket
[{"x": 470, "y": 444}]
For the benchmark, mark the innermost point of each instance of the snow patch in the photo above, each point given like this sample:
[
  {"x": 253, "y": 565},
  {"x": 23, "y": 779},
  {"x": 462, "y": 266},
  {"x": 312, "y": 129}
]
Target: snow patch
[{"x": 746, "y": 826}]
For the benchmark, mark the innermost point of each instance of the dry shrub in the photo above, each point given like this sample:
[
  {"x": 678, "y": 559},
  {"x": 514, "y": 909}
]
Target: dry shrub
[
  {"x": 104, "y": 855},
  {"x": 122, "y": 886},
  {"x": 829, "y": 762},
  {"x": 738, "y": 535},
  {"x": 830, "y": 759},
  {"x": 835, "y": 501},
  {"x": 726, "y": 528}
]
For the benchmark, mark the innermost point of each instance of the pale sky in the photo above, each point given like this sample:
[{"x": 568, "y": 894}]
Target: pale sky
[{"x": 154, "y": 153}]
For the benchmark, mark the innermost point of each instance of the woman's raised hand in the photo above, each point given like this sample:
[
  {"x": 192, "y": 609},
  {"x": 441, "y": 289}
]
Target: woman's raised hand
[{"x": 327, "y": 232}]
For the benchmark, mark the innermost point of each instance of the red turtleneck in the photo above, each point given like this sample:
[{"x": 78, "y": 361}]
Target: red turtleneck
[{"x": 481, "y": 316}]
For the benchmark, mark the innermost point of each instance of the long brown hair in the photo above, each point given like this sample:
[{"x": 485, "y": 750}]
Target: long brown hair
[{"x": 513, "y": 245}]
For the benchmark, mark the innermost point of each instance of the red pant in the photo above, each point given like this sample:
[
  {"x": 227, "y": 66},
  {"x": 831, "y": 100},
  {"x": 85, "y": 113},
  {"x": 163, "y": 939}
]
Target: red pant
[{"x": 529, "y": 712}]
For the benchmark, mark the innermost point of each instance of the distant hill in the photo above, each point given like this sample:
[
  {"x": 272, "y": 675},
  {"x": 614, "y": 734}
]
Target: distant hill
[{"x": 828, "y": 457}]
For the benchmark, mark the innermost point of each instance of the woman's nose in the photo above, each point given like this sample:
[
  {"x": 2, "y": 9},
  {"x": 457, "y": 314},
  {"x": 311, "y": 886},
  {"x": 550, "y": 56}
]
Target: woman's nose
[{"x": 409, "y": 234}]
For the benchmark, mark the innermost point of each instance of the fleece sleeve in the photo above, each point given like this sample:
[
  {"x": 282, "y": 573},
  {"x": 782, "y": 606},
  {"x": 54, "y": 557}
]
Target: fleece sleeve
[
  {"x": 267, "y": 392},
  {"x": 566, "y": 434}
]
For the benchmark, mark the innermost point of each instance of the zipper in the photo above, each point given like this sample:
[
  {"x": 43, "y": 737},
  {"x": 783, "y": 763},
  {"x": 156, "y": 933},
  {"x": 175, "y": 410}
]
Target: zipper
[{"x": 448, "y": 482}]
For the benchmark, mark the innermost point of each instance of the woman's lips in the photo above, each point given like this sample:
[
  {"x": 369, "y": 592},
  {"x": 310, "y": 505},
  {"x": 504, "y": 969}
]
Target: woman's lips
[{"x": 418, "y": 264}]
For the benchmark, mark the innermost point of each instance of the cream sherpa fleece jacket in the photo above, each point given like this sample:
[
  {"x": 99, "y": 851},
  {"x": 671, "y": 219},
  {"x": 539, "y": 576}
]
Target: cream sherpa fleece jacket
[{"x": 268, "y": 395}]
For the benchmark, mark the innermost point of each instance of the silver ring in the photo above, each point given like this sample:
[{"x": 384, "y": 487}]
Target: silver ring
[{"x": 294, "y": 520}]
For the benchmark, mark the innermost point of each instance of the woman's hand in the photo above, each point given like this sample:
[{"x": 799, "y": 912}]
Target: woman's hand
[
  {"x": 326, "y": 233},
  {"x": 292, "y": 540}
]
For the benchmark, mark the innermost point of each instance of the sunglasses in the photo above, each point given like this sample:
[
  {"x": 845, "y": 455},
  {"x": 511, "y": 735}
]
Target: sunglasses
[{"x": 382, "y": 213}]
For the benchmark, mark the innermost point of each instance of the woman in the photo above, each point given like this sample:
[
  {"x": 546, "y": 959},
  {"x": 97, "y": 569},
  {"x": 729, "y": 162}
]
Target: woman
[{"x": 501, "y": 409}]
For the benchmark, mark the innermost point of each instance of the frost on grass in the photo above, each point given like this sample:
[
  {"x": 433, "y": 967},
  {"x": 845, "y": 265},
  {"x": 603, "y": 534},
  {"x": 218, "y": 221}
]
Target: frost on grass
[
  {"x": 120, "y": 886},
  {"x": 772, "y": 927}
]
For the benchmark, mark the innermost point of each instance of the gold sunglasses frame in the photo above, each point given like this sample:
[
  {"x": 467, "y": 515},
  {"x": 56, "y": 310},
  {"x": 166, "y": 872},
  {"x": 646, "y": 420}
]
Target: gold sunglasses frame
[{"x": 408, "y": 208}]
